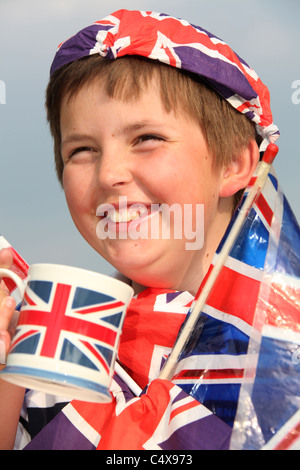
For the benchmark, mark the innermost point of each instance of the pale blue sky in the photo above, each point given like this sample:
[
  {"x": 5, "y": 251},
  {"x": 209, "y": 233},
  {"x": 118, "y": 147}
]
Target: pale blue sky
[{"x": 34, "y": 217}]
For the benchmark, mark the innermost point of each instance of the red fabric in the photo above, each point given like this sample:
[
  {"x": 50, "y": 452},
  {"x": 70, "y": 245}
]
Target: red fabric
[{"x": 144, "y": 328}]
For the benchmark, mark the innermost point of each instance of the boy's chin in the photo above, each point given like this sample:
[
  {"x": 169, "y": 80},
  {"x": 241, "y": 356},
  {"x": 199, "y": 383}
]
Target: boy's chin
[
  {"x": 150, "y": 263},
  {"x": 149, "y": 275}
]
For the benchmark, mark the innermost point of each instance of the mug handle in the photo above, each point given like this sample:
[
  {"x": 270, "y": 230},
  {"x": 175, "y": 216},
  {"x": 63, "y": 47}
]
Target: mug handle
[{"x": 19, "y": 283}]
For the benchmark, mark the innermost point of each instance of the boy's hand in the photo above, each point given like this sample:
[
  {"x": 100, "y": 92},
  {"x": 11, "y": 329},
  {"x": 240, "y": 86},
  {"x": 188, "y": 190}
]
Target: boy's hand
[
  {"x": 11, "y": 396},
  {"x": 8, "y": 316}
]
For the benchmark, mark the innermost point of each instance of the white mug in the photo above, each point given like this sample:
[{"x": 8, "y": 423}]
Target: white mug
[{"x": 68, "y": 331}]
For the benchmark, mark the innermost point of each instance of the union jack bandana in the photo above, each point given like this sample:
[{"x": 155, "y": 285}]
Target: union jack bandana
[{"x": 180, "y": 44}]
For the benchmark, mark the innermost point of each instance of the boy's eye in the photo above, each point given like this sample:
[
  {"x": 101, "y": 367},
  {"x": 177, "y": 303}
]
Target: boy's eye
[
  {"x": 148, "y": 137},
  {"x": 80, "y": 149}
]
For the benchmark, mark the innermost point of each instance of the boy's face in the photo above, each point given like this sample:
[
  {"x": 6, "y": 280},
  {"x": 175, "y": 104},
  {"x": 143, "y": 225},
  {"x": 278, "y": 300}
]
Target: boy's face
[{"x": 138, "y": 151}]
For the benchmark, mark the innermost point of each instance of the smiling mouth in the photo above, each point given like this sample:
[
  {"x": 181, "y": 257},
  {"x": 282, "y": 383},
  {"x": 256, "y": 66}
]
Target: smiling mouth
[
  {"x": 125, "y": 212},
  {"x": 125, "y": 220},
  {"x": 154, "y": 221}
]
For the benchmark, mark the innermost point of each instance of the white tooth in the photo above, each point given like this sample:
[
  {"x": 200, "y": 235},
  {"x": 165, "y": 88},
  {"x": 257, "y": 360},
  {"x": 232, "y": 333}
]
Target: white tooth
[
  {"x": 125, "y": 215},
  {"x": 118, "y": 216}
]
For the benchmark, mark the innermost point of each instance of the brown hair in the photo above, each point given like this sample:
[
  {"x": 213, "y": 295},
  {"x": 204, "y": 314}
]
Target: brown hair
[{"x": 226, "y": 130}]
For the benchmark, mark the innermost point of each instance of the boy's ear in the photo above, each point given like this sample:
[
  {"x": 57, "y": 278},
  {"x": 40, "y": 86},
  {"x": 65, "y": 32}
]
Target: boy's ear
[{"x": 238, "y": 173}]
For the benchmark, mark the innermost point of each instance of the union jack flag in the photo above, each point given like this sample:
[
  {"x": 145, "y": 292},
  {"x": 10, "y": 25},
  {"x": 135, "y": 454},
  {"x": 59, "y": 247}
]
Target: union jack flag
[
  {"x": 274, "y": 390},
  {"x": 246, "y": 343},
  {"x": 163, "y": 418},
  {"x": 212, "y": 365},
  {"x": 68, "y": 323},
  {"x": 143, "y": 346}
]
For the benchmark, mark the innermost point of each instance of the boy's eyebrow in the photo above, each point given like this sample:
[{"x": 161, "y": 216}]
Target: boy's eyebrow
[
  {"x": 136, "y": 126},
  {"x": 74, "y": 138}
]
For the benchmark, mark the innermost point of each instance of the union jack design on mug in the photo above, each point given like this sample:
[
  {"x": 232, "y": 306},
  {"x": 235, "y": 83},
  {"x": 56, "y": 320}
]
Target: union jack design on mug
[
  {"x": 68, "y": 331},
  {"x": 93, "y": 334}
]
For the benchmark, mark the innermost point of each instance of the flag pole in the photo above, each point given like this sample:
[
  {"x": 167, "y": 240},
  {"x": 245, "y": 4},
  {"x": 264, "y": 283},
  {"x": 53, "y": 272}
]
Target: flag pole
[
  {"x": 263, "y": 169},
  {"x": 134, "y": 387}
]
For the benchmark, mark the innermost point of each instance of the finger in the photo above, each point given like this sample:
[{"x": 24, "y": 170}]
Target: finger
[
  {"x": 5, "y": 342},
  {"x": 6, "y": 258},
  {"x": 3, "y": 290},
  {"x": 7, "y": 308},
  {"x": 13, "y": 323}
]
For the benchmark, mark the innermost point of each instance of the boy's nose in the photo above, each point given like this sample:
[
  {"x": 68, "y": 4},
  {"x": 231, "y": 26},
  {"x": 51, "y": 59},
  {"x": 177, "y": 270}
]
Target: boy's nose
[{"x": 114, "y": 169}]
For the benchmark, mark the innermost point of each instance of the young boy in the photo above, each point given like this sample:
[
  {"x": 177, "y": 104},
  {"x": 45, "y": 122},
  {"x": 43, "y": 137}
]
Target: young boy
[{"x": 146, "y": 112}]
